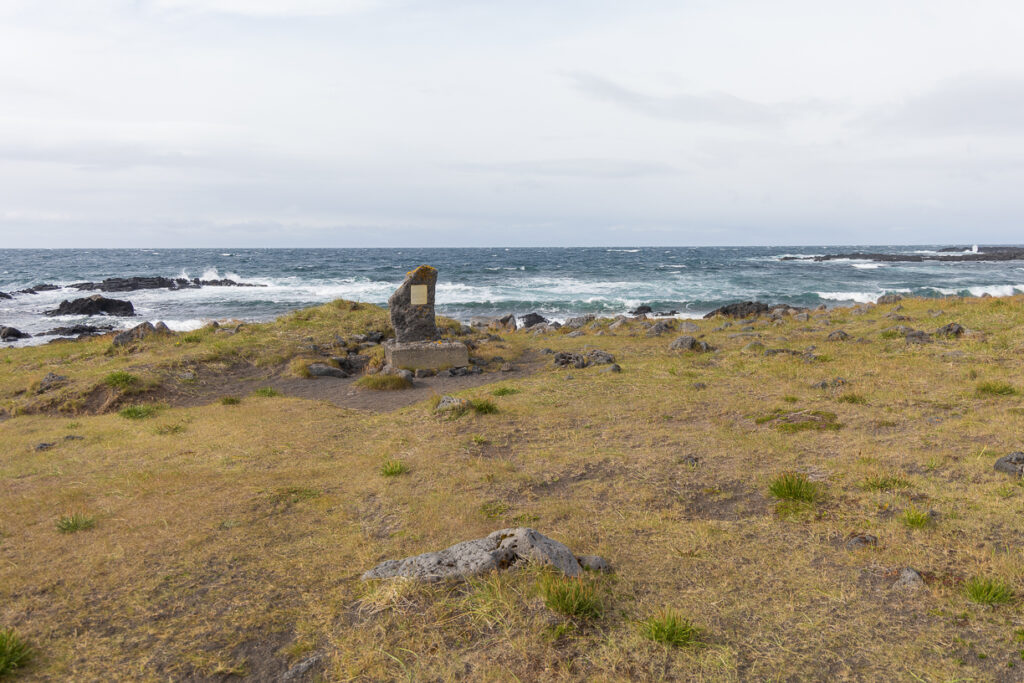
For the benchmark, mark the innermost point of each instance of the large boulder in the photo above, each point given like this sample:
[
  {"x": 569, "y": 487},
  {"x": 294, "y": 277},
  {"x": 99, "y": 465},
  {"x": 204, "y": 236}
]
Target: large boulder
[
  {"x": 687, "y": 343},
  {"x": 5, "y": 295},
  {"x": 531, "y": 319},
  {"x": 743, "y": 309},
  {"x": 11, "y": 333},
  {"x": 412, "y": 306},
  {"x": 500, "y": 550},
  {"x": 889, "y": 299},
  {"x": 1012, "y": 464},
  {"x": 140, "y": 332},
  {"x": 94, "y": 305}
]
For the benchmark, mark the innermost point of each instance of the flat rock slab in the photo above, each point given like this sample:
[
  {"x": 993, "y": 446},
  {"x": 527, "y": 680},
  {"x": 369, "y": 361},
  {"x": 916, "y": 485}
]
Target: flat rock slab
[
  {"x": 420, "y": 355},
  {"x": 500, "y": 550}
]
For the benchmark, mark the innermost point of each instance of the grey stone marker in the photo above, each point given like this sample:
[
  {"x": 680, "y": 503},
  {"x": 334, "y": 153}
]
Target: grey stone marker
[{"x": 412, "y": 315}]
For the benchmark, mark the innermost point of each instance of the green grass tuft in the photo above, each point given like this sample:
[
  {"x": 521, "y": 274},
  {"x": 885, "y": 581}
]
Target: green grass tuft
[
  {"x": 576, "y": 598},
  {"x": 482, "y": 406},
  {"x": 988, "y": 591},
  {"x": 794, "y": 486},
  {"x": 995, "y": 389},
  {"x": 14, "y": 652},
  {"x": 266, "y": 392},
  {"x": 138, "y": 412},
  {"x": 382, "y": 382},
  {"x": 69, "y": 524},
  {"x": 915, "y": 519},
  {"x": 393, "y": 468},
  {"x": 230, "y": 401},
  {"x": 670, "y": 628},
  {"x": 851, "y": 397},
  {"x": 120, "y": 380},
  {"x": 504, "y": 391}
]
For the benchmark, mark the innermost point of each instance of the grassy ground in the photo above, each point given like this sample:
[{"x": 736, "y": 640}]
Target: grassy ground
[{"x": 227, "y": 539}]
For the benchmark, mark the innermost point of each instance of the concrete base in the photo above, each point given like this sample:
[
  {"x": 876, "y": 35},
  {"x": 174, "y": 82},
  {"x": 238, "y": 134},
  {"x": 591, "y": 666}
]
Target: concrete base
[{"x": 421, "y": 355}]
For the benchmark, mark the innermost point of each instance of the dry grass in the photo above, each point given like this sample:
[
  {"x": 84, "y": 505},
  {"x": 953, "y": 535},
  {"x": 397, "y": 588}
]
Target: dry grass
[{"x": 236, "y": 544}]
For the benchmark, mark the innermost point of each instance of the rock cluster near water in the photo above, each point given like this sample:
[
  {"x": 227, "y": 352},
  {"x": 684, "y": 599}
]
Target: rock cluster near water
[
  {"x": 500, "y": 550},
  {"x": 94, "y": 305},
  {"x": 130, "y": 284}
]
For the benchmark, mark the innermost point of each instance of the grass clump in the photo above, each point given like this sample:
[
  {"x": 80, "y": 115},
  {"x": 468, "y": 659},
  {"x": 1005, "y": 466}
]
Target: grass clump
[
  {"x": 988, "y": 591},
  {"x": 393, "y": 468},
  {"x": 482, "y": 406},
  {"x": 164, "y": 430},
  {"x": 799, "y": 420},
  {"x": 669, "y": 627},
  {"x": 15, "y": 653},
  {"x": 915, "y": 519},
  {"x": 294, "y": 494},
  {"x": 121, "y": 380},
  {"x": 574, "y": 598},
  {"x": 853, "y": 398},
  {"x": 885, "y": 483},
  {"x": 69, "y": 524},
  {"x": 504, "y": 391},
  {"x": 794, "y": 486},
  {"x": 381, "y": 382},
  {"x": 494, "y": 509},
  {"x": 138, "y": 412},
  {"x": 995, "y": 389},
  {"x": 266, "y": 392},
  {"x": 192, "y": 338},
  {"x": 230, "y": 401},
  {"x": 300, "y": 368}
]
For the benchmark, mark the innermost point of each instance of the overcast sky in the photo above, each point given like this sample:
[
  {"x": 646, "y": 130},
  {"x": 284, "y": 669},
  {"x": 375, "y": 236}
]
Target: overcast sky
[{"x": 401, "y": 123}]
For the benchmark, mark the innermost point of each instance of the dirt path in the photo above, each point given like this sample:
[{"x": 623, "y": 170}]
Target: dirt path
[{"x": 211, "y": 385}]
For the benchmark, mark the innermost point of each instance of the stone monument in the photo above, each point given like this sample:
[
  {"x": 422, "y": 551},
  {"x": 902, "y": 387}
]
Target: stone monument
[{"x": 417, "y": 342}]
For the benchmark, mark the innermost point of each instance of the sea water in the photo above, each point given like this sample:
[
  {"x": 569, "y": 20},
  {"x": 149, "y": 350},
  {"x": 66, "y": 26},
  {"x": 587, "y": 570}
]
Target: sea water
[{"x": 557, "y": 283}]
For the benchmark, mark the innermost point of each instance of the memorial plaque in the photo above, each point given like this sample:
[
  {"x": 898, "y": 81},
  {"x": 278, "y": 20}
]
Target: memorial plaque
[{"x": 418, "y": 295}]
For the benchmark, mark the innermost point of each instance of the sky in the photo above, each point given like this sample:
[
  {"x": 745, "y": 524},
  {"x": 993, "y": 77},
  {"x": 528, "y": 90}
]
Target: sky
[{"x": 336, "y": 123}]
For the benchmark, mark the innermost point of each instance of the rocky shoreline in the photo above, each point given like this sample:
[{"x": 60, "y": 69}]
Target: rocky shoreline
[{"x": 946, "y": 254}]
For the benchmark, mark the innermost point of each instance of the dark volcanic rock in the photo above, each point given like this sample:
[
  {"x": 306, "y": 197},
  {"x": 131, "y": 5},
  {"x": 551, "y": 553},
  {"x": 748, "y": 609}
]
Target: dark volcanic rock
[
  {"x": 46, "y": 287},
  {"x": 12, "y": 333},
  {"x": 687, "y": 343},
  {"x": 324, "y": 370},
  {"x": 94, "y": 305},
  {"x": 1011, "y": 464},
  {"x": 642, "y": 310},
  {"x": 743, "y": 309},
  {"x": 950, "y": 330},
  {"x": 79, "y": 330},
  {"x": 598, "y": 357},
  {"x": 415, "y": 321},
  {"x": 140, "y": 332},
  {"x": 5, "y": 295},
  {"x": 531, "y": 319},
  {"x": 565, "y": 359},
  {"x": 130, "y": 284},
  {"x": 50, "y": 381},
  {"x": 838, "y": 335}
]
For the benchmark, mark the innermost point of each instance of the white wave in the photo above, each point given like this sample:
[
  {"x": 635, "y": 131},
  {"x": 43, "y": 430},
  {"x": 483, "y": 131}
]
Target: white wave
[
  {"x": 627, "y": 251},
  {"x": 182, "y": 325},
  {"x": 859, "y": 297},
  {"x": 866, "y": 266}
]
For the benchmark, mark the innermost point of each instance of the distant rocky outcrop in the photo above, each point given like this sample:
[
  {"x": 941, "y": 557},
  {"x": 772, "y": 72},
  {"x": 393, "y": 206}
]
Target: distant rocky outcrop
[
  {"x": 743, "y": 309},
  {"x": 983, "y": 254},
  {"x": 5, "y": 295},
  {"x": 130, "y": 284},
  {"x": 78, "y": 330},
  {"x": 500, "y": 550},
  {"x": 94, "y": 305}
]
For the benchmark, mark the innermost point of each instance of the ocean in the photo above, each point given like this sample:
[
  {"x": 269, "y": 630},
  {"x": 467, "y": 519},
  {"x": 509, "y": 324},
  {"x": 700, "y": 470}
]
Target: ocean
[{"x": 557, "y": 283}]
